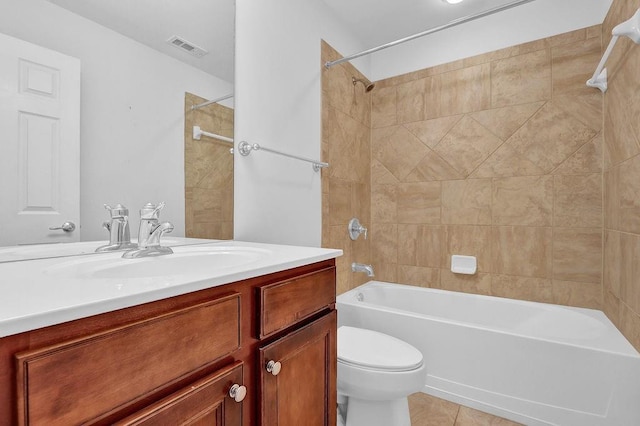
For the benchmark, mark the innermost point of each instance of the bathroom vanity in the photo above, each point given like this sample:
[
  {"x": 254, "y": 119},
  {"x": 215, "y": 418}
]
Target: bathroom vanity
[{"x": 253, "y": 344}]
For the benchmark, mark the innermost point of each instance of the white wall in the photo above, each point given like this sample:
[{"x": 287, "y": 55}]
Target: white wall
[
  {"x": 132, "y": 120},
  {"x": 278, "y": 104},
  {"x": 528, "y": 22}
]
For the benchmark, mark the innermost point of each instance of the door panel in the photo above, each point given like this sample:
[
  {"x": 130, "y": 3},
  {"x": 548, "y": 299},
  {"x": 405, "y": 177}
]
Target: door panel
[
  {"x": 40, "y": 143},
  {"x": 304, "y": 390}
]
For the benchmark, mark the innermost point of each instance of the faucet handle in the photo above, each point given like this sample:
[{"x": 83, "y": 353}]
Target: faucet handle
[
  {"x": 151, "y": 211},
  {"x": 118, "y": 211},
  {"x": 356, "y": 228}
]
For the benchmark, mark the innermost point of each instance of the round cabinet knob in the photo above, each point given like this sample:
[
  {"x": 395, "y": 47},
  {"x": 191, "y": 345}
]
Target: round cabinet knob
[
  {"x": 238, "y": 392},
  {"x": 274, "y": 367}
]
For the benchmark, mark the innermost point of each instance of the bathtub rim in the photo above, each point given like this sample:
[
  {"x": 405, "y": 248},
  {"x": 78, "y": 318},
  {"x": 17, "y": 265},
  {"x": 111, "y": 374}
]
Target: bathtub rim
[{"x": 626, "y": 349}]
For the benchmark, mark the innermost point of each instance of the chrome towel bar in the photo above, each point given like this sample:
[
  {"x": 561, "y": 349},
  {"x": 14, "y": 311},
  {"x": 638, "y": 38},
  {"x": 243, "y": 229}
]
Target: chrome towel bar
[{"x": 245, "y": 148}]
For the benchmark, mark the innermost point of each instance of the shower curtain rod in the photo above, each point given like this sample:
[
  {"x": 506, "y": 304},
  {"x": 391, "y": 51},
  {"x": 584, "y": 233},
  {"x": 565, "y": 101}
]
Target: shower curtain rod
[
  {"x": 198, "y": 132},
  {"x": 204, "y": 104},
  {"x": 453, "y": 23}
]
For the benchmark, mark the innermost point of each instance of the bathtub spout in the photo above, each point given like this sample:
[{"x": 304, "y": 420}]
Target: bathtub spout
[{"x": 361, "y": 267}]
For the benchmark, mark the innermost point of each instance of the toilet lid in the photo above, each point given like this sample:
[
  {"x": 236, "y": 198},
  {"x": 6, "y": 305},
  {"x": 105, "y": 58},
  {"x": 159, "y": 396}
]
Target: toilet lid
[{"x": 371, "y": 349}]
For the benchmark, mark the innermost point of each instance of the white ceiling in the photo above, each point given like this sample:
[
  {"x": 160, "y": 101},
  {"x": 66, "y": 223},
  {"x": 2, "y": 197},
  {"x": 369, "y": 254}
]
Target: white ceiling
[
  {"x": 207, "y": 23},
  {"x": 210, "y": 23}
]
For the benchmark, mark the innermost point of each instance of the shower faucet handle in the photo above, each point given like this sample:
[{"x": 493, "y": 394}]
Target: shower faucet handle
[{"x": 356, "y": 228}]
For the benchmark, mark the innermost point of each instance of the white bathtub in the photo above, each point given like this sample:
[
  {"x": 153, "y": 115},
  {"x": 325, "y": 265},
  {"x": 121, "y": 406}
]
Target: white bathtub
[{"x": 534, "y": 363}]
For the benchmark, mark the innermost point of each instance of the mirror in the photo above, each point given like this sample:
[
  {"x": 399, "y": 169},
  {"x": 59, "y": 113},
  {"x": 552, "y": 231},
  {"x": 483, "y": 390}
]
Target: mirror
[{"x": 143, "y": 64}]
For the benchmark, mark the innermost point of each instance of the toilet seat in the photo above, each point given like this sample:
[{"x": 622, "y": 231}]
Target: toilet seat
[{"x": 372, "y": 350}]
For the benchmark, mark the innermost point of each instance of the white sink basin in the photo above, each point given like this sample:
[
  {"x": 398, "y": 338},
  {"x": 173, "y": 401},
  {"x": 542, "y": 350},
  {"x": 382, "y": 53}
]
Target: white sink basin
[{"x": 186, "y": 261}]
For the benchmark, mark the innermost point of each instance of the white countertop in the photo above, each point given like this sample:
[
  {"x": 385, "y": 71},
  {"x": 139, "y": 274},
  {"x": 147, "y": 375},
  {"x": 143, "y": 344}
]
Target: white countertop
[{"x": 44, "y": 292}]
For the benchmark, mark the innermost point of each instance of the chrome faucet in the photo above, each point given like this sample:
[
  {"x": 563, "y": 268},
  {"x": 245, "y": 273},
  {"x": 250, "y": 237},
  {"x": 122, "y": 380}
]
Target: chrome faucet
[
  {"x": 150, "y": 232},
  {"x": 118, "y": 227},
  {"x": 361, "y": 267}
]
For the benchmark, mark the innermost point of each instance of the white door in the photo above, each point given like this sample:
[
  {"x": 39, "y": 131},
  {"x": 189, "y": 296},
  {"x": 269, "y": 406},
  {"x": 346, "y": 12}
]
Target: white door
[{"x": 39, "y": 144}]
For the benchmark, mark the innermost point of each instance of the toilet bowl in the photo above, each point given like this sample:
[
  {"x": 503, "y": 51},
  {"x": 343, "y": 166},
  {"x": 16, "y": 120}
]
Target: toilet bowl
[{"x": 376, "y": 373}]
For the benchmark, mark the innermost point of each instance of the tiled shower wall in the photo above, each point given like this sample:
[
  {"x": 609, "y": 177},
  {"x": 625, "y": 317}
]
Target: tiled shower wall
[
  {"x": 622, "y": 178},
  {"x": 346, "y": 193},
  {"x": 208, "y": 169},
  {"x": 497, "y": 156}
]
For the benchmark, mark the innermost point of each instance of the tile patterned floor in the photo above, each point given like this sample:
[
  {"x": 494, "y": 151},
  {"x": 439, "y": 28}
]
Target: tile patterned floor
[{"x": 427, "y": 410}]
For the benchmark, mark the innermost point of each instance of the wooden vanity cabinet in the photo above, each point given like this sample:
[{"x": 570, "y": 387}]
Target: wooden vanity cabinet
[
  {"x": 300, "y": 390},
  {"x": 174, "y": 361},
  {"x": 298, "y": 369},
  {"x": 205, "y": 402}
]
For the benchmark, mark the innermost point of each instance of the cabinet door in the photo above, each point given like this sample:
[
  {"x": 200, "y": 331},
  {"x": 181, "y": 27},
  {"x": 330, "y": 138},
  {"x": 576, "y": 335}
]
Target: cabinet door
[
  {"x": 301, "y": 389},
  {"x": 205, "y": 402}
]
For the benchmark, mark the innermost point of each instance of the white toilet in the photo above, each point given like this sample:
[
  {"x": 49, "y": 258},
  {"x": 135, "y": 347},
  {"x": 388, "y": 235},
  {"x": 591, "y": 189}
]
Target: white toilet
[{"x": 376, "y": 373}]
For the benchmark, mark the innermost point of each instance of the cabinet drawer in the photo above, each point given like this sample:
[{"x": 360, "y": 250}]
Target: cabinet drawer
[
  {"x": 206, "y": 401},
  {"x": 83, "y": 380},
  {"x": 286, "y": 302}
]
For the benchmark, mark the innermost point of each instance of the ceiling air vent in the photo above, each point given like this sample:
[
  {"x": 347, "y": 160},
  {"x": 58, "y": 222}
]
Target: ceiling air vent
[{"x": 187, "y": 46}]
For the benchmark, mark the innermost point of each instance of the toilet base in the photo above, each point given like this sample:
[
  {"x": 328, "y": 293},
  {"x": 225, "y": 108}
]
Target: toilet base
[{"x": 362, "y": 412}]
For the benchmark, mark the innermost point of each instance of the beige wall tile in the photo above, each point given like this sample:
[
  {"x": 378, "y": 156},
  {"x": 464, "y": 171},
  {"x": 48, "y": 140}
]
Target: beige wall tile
[
  {"x": 594, "y": 31},
  {"x": 419, "y": 202},
  {"x": 469, "y": 240},
  {"x": 611, "y": 198},
  {"x": 523, "y": 251},
  {"x": 380, "y": 174},
  {"x": 588, "y": 159},
  {"x": 577, "y": 254},
  {"x": 525, "y": 288},
  {"x": 578, "y": 201},
  {"x": 384, "y": 199},
  {"x": 397, "y": 149},
  {"x": 431, "y": 168},
  {"x": 431, "y": 132},
  {"x": 521, "y": 79},
  {"x": 385, "y": 271},
  {"x": 538, "y": 140},
  {"x": 505, "y": 162},
  {"x": 348, "y": 143},
  {"x": 630, "y": 325},
  {"x": 384, "y": 244},
  {"x": 584, "y": 295},
  {"x": 612, "y": 308},
  {"x": 586, "y": 108},
  {"x": 419, "y": 245},
  {"x": 503, "y": 122},
  {"x": 467, "y": 145},
  {"x": 383, "y": 107},
  {"x": 361, "y": 201},
  {"x": 418, "y": 276},
  {"x": 337, "y": 240},
  {"x": 339, "y": 92},
  {"x": 476, "y": 284},
  {"x": 566, "y": 38},
  {"x": 629, "y": 192},
  {"x": 466, "y": 202},
  {"x": 572, "y": 65},
  {"x": 411, "y": 100},
  {"x": 456, "y": 92},
  {"x": 340, "y": 206},
  {"x": 630, "y": 270},
  {"x": 612, "y": 274},
  {"x": 620, "y": 140},
  {"x": 523, "y": 201}
]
